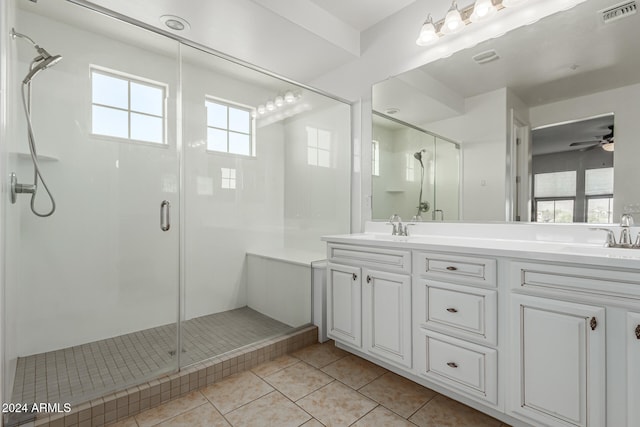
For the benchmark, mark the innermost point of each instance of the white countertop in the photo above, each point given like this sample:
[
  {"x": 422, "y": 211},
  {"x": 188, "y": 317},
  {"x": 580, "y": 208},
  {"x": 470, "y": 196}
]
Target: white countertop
[{"x": 568, "y": 244}]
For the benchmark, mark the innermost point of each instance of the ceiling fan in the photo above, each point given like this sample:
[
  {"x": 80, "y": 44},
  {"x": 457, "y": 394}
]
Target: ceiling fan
[{"x": 605, "y": 142}]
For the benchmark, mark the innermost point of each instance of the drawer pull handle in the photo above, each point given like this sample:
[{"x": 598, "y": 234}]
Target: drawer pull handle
[
  {"x": 593, "y": 323},
  {"x": 452, "y": 310},
  {"x": 355, "y": 276},
  {"x": 452, "y": 364},
  {"x": 452, "y": 268},
  {"x": 638, "y": 332}
]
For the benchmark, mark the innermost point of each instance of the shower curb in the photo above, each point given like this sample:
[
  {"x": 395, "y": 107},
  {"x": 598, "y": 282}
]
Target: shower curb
[{"x": 117, "y": 406}]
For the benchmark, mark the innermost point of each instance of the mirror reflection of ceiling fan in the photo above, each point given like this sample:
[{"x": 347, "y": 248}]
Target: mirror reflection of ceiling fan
[{"x": 605, "y": 142}]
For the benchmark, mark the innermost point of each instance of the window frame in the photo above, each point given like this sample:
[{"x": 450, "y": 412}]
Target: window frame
[
  {"x": 252, "y": 126},
  {"x": 317, "y": 147},
  {"x": 130, "y": 78},
  {"x": 555, "y": 199}
]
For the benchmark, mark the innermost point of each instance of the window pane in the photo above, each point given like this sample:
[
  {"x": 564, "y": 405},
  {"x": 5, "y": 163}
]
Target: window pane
[
  {"x": 216, "y": 115},
  {"x": 239, "y": 120},
  {"x": 555, "y": 184},
  {"x": 554, "y": 211},
  {"x": 216, "y": 140},
  {"x": 598, "y": 181},
  {"x": 146, "y": 99},
  {"x": 239, "y": 144},
  {"x": 324, "y": 158},
  {"x": 599, "y": 210},
  {"x": 324, "y": 140},
  {"x": 109, "y": 90},
  {"x": 146, "y": 128},
  {"x": 110, "y": 122}
]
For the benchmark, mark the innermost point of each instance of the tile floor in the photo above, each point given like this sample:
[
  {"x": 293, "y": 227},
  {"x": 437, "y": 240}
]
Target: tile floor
[
  {"x": 319, "y": 385},
  {"x": 90, "y": 370}
]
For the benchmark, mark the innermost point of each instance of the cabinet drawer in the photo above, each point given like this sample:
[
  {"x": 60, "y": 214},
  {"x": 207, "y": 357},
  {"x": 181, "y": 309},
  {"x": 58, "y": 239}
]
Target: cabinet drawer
[
  {"x": 586, "y": 281},
  {"x": 461, "y": 310},
  {"x": 384, "y": 259},
  {"x": 467, "y": 270},
  {"x": 467, "y": 367}
]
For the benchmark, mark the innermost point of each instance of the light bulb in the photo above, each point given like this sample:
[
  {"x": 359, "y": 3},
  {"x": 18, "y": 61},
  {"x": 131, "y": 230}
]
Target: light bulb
[
  {"x": 428, "y": 33},
  {"x": 482, "y": 9},
  {"x": 453, "y": 21},
  {"x": 271, "y": 106},
  {"x": 279, "y": 101},
  {"x": 261, "y": 109},
  {"x": 289, "y": 97}
]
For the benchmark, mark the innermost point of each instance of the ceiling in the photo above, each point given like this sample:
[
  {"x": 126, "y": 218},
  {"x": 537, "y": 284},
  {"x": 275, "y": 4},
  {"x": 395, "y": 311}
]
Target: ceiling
[
  {"x": 362, "y": 14},
  {"x": 558, "y": 138}
]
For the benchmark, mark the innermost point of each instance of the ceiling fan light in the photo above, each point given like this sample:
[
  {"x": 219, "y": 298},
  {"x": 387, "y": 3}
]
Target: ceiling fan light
[
  {"x": 428, "y": 33},
  {"x": 453, "y": 21},
  {"x": 482, "y": 9},
  {"x": 609, "y": 146}
]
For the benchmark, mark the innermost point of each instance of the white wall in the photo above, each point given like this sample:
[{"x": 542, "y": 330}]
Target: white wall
[
  {"x": 623, "y": 102},
  {"x": 317, "y": 199},
  {"x": 481, "y": 131}
]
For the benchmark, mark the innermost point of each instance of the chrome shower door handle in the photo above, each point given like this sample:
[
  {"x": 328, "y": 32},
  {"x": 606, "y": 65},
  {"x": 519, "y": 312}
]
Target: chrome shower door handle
[{"x": 165, "y": 217}]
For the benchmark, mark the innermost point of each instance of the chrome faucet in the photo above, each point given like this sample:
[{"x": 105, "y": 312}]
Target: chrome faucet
[
  {"x": 398, "y": 229},
  {"x": 626, "y": 221},
  {"x": 611, "y": 237},
  {"x": 433, "y": 214}
]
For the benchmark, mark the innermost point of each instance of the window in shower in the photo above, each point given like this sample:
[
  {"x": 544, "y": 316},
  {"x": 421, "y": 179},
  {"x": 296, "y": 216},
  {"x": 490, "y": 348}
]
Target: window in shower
[
  {"x": 228, "y": 178},
  {"x": 128, "y": 107},
  {"x": 229, "y": 128},
  {"x": 318, "y": 147},
  {"x": 375, "y": 158},
  {"x": 410, "y": 169}
]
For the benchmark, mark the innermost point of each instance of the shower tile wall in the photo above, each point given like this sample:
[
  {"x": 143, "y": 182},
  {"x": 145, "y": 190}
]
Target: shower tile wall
[{"x": 78, "y": 373}]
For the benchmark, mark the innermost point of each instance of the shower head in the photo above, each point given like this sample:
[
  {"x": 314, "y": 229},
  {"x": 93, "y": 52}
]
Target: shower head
[
  {"x": 418, "y": 156},
  {"x": 40, "y": 62},
  {"x": 41, "y": 65}
]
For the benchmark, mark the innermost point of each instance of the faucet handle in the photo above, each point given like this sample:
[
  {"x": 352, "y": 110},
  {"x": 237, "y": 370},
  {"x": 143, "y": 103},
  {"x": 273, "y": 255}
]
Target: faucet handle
[
  {"x": 626, "y": 220},
  {"x": 611, "y": 237}
]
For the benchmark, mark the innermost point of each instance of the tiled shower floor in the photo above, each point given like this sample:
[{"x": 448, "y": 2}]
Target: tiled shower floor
[{"x": 82, "y": 372}]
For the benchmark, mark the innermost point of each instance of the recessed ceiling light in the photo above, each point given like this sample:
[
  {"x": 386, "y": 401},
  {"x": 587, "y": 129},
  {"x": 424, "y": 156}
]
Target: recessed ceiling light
[
  {"x": 391, "y": 111},
  {"x": 175, "y": 22}
]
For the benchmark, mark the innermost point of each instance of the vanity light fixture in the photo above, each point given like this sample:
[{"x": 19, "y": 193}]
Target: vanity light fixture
[
  {"x": 453, "y": 21},
  {"x": 428, "y": 33},
  {"x": 456, "y": 20},
  {"x": 482, "y": 9},
  {"x": 278, "y": 102}
]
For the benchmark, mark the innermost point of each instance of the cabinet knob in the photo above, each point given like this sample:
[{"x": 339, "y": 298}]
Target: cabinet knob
[
  {"x": 452, "y": 364},
  {"x": 355, "y": 276},
  {"x": 452, "y": 310},
  {"x": 638, "y": 332},
  {"x": 593, "y": 323},
  {"x": 368, "y": 279},
  {"x": 452, "y": 268}
]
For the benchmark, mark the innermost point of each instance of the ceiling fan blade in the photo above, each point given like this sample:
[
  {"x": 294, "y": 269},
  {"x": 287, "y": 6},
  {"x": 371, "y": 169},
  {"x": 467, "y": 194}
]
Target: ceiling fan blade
[{"x": 573, "y": 144}]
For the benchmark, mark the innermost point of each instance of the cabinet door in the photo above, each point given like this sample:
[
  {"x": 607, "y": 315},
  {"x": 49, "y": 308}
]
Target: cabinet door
[
  {"x": 387, "y": 315},
  {"x": 344, "y": 302},
  {"x": 558, "y": 373},
  {"x": 633, "y": 369}
]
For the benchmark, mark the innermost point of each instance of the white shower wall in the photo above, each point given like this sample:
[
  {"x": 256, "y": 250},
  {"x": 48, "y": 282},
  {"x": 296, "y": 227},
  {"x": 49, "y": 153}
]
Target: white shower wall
[{"x": 100, "y": 266}]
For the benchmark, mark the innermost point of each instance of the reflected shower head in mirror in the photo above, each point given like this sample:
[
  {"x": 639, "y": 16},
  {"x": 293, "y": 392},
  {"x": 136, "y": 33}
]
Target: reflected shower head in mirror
[{"x": 42, "y": 61}]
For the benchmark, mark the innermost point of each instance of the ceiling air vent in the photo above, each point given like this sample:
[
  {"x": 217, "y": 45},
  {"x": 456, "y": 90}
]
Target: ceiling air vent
[
  {"x": 486, "y": 56},
  {"x": 619, "y": 11}
]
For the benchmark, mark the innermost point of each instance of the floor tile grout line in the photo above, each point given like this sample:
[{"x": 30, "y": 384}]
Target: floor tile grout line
[
  {"x": 175, "y": 415},
  {"x": 425, "y": 404}
]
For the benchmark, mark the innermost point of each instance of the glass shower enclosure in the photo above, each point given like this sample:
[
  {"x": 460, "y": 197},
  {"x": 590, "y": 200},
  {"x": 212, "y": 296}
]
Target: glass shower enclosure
[{"x": 169, "y": 164}]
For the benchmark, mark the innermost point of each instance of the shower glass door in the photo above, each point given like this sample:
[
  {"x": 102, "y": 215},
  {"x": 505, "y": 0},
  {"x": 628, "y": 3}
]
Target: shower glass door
[{"x": 92, "y": 290}]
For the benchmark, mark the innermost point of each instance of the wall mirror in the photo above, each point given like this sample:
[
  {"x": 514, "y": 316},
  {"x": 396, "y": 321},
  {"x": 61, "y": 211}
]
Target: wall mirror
[{"x": 572, "y": 72}]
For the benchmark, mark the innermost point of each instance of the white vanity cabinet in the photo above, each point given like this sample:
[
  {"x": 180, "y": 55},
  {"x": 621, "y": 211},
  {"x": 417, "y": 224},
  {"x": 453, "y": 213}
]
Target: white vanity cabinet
[
  {"x": 573, "y": 345},
  {"x": 558, "y": 361},
  {"x": 369, "y": 301},
  {"x": 455, "y": 308}
]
